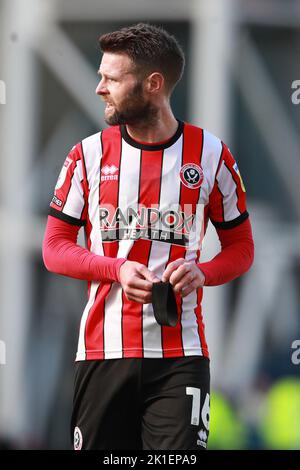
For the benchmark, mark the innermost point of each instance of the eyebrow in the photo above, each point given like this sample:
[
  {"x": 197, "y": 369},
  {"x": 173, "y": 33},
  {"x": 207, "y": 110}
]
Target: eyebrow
[
  {"x": 112, "y": 76},
  {"x": 107, "y": 75}
]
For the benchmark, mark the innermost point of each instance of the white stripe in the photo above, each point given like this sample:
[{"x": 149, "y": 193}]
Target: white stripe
[
  {"x": 227, "y": 187},
  {"x": 151, "y": 329},
  {"x": 92, "y": 152},
  {"x": 197, "y": 231},
  {"x": 91, "y": 147},
  {"x": 128, "y": 197},
  {"x": 190, "y": 334},
  {"x": 170, "y": 182},
  {"x": 113, "y": 323},
  {"x": 128, "y": 188},
  {"x": 212, "y": 150},
  {"x": 211, "y": 153},
  {"x": 75, "y": 200},
  {"x": 81, "y": 351},
  {"x": 209, "y": 160}
]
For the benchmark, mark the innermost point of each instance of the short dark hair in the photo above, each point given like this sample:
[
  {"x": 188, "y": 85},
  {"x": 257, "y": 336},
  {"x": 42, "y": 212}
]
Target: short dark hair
[{"x": 151, "y": 48}]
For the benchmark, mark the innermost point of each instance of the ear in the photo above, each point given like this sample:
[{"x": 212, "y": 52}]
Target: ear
[{"x": 155, "y": 82}]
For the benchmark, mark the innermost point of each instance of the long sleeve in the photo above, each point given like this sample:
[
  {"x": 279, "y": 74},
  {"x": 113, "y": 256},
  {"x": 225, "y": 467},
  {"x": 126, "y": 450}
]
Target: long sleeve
[
  {"x": 235, "y": 258},
  {"x": 62, "y": 255}
]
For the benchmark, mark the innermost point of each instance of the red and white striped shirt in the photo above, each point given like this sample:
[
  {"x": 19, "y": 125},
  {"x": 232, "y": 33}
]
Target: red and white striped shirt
[{"x": 148, "y": 203}]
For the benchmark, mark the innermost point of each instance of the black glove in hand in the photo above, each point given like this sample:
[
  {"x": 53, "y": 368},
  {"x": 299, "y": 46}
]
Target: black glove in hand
[{"x": 164, "y": 304}]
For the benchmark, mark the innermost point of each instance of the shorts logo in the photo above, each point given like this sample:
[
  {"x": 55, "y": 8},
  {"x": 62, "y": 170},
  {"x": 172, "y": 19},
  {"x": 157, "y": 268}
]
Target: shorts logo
[
  {"x": 191, "y": 175},
  {"x": 77, "y": 439},
  {"x": 108, "y": 173},
  {"x": 202, "y": 438}
]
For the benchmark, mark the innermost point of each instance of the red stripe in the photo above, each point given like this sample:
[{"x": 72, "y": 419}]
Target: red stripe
[
  {"x": 63, "y": 192},
  {"x": 205, "y": 221},
  {"x": 241, "y": 197},
  {"x": 192, "y": 152},
  {"x": 216, "y": 204},
  {"x": 216, "y": 208},
  {"x": 94, "y": 329},
  {"x": 85, "y": 185},
  {"x": 171, "y": 337},
  {"x": 149, "y": 192},
  {"x": 85, "y": 214},
  {"x": 87, "y": 231},
  {"x": 108, "y": 197}
]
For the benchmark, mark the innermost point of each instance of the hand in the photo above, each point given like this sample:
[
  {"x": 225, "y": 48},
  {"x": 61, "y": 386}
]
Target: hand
[
  {"x": 184, "y": 276},
  {"x": 136, "y": 281}
]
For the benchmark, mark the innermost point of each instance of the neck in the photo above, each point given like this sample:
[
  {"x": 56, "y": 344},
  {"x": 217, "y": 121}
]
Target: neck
[{"x": 163, "y": 127}]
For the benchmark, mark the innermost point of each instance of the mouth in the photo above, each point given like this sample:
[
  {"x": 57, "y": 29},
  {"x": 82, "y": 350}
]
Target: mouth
[{"x": 108, "y": 106}]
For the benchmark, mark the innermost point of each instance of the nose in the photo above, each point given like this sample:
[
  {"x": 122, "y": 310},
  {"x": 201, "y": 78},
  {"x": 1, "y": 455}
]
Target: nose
[{"x": 101, "y": 88}]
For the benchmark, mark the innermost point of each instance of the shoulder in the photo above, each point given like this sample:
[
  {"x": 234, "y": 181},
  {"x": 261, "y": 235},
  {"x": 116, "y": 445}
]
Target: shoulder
[
  {"x": 95, "y": 141},
  {"x": 90, "y": 141},
  {"x": 211, "y": 143}
]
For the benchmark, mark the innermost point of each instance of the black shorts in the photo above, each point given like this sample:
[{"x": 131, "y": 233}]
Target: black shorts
[{"x": 136, "y": 404}]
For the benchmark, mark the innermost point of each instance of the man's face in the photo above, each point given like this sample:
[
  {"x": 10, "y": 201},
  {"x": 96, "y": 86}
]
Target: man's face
[{"x": 122, "y": 91}]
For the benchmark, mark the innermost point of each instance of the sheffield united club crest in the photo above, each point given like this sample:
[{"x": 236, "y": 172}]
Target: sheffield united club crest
[{"x": 191, "y": 175}]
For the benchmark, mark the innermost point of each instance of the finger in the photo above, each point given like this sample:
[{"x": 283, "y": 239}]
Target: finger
[
  {"x": 148, "y": 275},
  {"x": 193, "y": 286},
  {"x": 184, "y": 282},
  {"x": 140, "y": 284},
  {"x": 171, "y": 268},
  {"x": 180, "y": 272},
  {"x": 140, "y": 296},
  {"x": 139, "y": 300}
]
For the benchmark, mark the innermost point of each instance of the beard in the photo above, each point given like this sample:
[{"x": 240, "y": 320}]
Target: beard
[{"x": 134, "y": 110}]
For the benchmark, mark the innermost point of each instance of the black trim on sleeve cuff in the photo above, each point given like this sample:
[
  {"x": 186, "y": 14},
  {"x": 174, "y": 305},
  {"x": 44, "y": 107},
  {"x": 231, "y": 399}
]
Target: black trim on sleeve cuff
[
  {"x": 232, "y": 223},
  {"x": 65, "y": 217}
]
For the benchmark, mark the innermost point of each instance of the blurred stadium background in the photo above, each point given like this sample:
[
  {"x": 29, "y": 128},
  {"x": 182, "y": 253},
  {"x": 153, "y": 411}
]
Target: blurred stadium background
[{"x": 242, "y": 65}]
